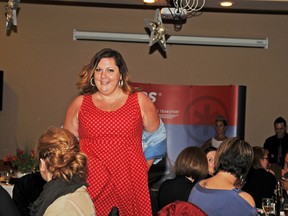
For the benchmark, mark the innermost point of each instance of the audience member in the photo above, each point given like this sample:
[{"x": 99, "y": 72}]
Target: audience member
[
  {"x": 221, "y": 194},
  {"x": 284, "y": 171},
  {"x": 284, "y": 178},
  {"x": 64, "y": 168},
  {"x": 7, "y": 206},
  {"x": 260, "y": 183},
  {"x": 26, "y": 190},
  {"x": 220, "y": 129},
  {"x": 210, "y": 154},
  {"x": 109, "y": 118},
  {"x": 190, "y": 167},
  {"x": 277, "y": 145}
]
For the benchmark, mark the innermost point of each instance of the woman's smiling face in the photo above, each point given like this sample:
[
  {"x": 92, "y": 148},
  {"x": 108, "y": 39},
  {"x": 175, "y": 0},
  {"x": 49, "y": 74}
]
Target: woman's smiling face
[{"x": 107, "y": 76}]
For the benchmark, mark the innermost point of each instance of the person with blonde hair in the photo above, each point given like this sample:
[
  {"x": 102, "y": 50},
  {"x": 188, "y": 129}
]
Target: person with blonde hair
[
  {"x": 64, "y": 168},
  {"x": 221, "y": 194},
  {"x": 220, "y": 133}
]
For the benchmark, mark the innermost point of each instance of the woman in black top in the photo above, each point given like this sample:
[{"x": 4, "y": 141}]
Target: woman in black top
[
  {"x": 190, "y": 167},
  {"x": 7, "y": 206},
  {"x": 260, "y": 182}
]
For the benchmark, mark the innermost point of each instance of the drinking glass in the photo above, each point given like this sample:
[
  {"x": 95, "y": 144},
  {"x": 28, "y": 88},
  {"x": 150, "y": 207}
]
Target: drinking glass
[{"x": 267, "y": 206}]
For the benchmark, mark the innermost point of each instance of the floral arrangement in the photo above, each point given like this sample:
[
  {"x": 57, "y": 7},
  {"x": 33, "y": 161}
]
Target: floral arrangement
[{"x": 24, "y": 161}]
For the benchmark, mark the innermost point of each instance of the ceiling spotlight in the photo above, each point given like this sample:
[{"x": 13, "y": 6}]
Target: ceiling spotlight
[
  {"x": 226, "y": 4},
  {"x": 149, "y": 1}
]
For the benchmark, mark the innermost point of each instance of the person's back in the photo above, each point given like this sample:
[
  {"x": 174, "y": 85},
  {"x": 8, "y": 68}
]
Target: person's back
[
  {"x": 174, "y": 189},
  {"x": 190, "y": 167},
  {"x": 221, "y": 202},
  {"x": 221, "y": 194},
  {"x": 77, "y": 203}
]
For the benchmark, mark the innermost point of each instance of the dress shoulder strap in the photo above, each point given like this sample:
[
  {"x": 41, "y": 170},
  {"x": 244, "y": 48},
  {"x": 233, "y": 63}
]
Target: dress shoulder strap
[{"x": 237, "y": 190}]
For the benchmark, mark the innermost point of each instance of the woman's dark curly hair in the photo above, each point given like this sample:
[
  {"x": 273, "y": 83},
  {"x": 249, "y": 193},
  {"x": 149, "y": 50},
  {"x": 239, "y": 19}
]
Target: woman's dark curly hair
[{"x": 234, "y": 156}]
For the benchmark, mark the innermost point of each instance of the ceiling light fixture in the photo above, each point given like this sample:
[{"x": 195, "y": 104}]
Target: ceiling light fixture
[
  {"x": 226, "y": 4},
  {"x": 149, "y": 1}
]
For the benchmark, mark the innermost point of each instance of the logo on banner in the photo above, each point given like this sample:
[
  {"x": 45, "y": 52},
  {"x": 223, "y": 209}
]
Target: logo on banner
[
  {"x": 199, "y": 116},
  {"x": 152, "y": 95}
]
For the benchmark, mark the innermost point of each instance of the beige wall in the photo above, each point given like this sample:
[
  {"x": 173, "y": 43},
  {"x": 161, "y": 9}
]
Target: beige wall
[{"x": 41, "y": 62}]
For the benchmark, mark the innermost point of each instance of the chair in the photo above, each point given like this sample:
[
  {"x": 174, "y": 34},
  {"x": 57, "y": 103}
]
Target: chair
[{"x": 181, "y": 208}]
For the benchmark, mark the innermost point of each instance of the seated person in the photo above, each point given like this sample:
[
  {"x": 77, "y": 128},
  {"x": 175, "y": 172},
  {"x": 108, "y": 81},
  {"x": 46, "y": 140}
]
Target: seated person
[
  {"x": 221, "y": 195},
  {"x": 284, "y": 171},
  {"x": 7, "y": 206},
  {"x": 210, "y": 154},
  {"x": 190, "y": 167},
  {"x": 220, "y": 130},
  {"x": 260, "y": 183},
  {"x": 26, "y": 190},
  {"x": 64, "y": 168}
]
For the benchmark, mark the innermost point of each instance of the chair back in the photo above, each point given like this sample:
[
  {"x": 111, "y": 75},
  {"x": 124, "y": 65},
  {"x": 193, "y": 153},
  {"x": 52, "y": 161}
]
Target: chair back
[{"x": 181, "y": 208}]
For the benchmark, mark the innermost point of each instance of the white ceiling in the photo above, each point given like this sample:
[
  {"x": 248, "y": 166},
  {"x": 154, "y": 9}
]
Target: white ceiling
[{"x": 245, "y": 6}]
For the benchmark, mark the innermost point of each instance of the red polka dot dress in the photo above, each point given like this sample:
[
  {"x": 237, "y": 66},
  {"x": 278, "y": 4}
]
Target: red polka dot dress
[{"x": 117, "y": 169}]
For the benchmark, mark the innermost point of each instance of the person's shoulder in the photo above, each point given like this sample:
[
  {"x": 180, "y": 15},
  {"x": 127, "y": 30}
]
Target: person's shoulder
[
  {"x": 77, "y": 101},
  {"x": 166, "y": 183},
  {"x": 206, "y": 144},
  {"x": 144, "y": 101},
  {"x": 269, "y": 141},
  {"x": 271, "y": 137},
  {"x": 142, "y": 96},
  {"x": 286, "y": 136},
  {"x": 248, "y": 198},
  {"x": 71, "y": 204}
]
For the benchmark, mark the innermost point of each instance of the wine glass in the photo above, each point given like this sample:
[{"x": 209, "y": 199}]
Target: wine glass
[{"x": 267, "y": 206}]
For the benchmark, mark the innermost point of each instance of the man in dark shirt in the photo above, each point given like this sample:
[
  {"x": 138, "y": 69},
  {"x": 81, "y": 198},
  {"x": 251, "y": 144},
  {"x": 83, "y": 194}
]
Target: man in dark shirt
[{"x": 277, "y": 145}]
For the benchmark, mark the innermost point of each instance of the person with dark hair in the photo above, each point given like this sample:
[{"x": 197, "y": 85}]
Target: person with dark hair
[
  {"x": 190, "y": 167},
  {"x": 220, "y": 129},
  {"x": 260, "y": 182},
  {"x": 210, "y": 154},
  {"x": 7, "y": 206},
  {"x": 221, "y": 195},
  {"x": 64, "y": 168},
  {"x": 109, "y": 118},
  {"x": 277, "y": 145}
]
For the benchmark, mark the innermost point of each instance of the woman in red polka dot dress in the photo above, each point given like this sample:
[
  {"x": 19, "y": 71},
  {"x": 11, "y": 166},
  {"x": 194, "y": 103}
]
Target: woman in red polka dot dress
[{"x": 109, "y": 118}]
